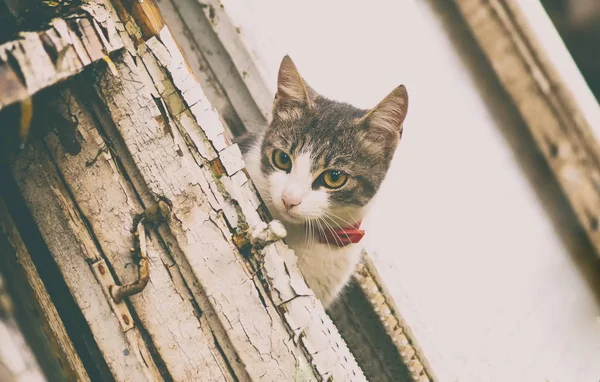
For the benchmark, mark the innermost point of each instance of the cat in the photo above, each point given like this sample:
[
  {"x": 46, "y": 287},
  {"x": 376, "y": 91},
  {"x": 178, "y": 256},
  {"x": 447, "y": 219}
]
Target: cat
[{"x": 317, "y": 166}]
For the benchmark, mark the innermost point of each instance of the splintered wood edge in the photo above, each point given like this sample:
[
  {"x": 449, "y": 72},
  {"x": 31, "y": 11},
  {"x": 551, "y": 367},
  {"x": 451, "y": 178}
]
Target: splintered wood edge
[
  {"x": 37, "y": 60},
  {"x": 550, "y": 94}
]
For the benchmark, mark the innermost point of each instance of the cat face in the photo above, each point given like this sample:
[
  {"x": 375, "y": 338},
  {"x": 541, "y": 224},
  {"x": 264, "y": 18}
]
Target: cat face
[{"x": 323, "y": 159}]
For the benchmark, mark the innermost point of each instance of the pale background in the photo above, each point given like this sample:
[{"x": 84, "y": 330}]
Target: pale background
[{"x": 470, "y": 234}]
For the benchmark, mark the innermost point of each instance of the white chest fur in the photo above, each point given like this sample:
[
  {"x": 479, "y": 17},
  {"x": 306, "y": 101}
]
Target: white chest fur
[{"x": 326, "y": 268}]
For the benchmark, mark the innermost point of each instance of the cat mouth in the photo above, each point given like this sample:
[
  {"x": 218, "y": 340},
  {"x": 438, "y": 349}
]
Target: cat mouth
[{"x": 293, "y": 218}]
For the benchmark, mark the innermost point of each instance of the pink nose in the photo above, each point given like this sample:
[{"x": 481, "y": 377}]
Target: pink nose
[{"x": 290, "y": 202}]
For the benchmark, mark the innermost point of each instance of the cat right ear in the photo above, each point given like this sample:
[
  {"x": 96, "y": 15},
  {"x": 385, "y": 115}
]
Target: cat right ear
[
  {"x": 385, "y": 120},
  {"x": 291, "y": 88}
]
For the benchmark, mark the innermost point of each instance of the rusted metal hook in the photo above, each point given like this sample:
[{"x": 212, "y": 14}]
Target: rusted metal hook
[
  {"x": 119, "y": 292},
  {"x": 154, "y": 214}
]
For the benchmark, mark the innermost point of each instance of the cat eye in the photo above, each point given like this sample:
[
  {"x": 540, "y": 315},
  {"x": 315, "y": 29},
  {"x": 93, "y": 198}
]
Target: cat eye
[
  {"x": 282, "y": 161},
  {"x": 334, "y": 178}
]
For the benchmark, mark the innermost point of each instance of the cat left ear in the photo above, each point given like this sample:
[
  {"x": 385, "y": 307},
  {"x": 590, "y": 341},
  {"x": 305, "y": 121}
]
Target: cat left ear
[
  {"x": 291, "y": 88},
  {"x": 388, "y": 116}
]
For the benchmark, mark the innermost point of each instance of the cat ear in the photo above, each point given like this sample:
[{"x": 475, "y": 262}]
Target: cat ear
[
  {"x": 387, "y": 117},
  {"x": 291, "y": 88}
]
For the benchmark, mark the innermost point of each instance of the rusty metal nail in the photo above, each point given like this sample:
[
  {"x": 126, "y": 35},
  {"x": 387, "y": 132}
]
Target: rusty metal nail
[
  {"x": 125, "y": 319},
  {"x": 101, "y": 269}
]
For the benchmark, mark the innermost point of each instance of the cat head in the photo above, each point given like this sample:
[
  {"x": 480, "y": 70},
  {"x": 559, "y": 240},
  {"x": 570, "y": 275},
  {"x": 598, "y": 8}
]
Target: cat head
[{"x": 324, "y": 159}]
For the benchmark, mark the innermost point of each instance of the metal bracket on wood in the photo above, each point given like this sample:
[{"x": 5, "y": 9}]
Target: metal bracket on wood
[
  {"x": 105, "y": 279},
  {"x": 153, "y": 215}
]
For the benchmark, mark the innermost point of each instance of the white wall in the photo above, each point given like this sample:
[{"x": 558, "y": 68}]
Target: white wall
[{"x": 470, "y": 233}]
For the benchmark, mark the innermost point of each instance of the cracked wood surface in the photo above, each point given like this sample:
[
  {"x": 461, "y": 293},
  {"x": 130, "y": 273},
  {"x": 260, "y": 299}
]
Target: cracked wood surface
[
  {"x": 109, "y": 202},
  {"x": 73, "y": 248},
  {"x": 179, "y": 147},
  {"x": 36, "y": 60},
  {"x": 17, "y": 362},
  {"x": 38, "y": 315}
]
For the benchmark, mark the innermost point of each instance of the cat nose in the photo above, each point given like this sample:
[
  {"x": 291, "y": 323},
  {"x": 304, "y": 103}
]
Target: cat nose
[{"x": 290, "y": 202}]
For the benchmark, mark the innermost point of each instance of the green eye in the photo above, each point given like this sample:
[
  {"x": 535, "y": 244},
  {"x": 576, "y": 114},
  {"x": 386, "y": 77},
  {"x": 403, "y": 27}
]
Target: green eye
[
  {"x": 282, "y": 161},
  {"x": 334, "y": 178}
]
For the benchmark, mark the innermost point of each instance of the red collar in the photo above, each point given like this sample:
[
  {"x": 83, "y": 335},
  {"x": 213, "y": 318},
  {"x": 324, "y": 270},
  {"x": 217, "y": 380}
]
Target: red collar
[{"x": 343, "y": 236}]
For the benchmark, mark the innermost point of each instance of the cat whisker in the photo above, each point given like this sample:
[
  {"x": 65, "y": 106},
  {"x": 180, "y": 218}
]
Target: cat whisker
[
  {"x": 305, "y": 233},
  {"x": 312, "y": 233},
  {"x": 335, "y": 236},
  {"x": 352, "y": 217},
  {"x": 334, "y": 219},
  {"x": 319, "y": 219},
  {"x": 309, "y": 234},
  {"x": 333, "y": 216},
  {"x": 315, "y": 230},
  {"x": 309, "y": 230}
]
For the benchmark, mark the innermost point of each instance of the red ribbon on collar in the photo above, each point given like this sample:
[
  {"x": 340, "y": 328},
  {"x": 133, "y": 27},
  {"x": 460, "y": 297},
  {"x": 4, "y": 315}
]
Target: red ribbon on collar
[{"x": 343, "y": 236}]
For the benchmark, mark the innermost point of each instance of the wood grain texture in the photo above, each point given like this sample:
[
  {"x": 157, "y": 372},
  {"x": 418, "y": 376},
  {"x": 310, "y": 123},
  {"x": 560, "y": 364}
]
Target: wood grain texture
[
  {"x": 231, "y": 33},
  {"x": 546, "y": 100},
  {"x": 394, "y": 326},
  {"x": 212, "y": 65},
  {"x": 38, "y": 314},
  {"x": 107, "y": 199},
  {"x": 73, "y": 248}
]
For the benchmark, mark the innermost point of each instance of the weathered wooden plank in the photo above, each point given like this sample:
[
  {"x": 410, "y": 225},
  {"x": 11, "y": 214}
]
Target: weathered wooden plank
[
  {"x": 47, "y": 333},
  {"x": 37, "y": 60},
  {"x": 223, "y": 84},
  {"x": 17, "y": 362},
  {"x": 560, "y": 125},
  {"x": 107, "y": 200},
  {"x": 370, "y": 344},
  {"x": 175, "y": 138},
  {"x": 394, "y": 325},
  {"x": 229, "y": 30},
  {"x": 74, "y": 250}
]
